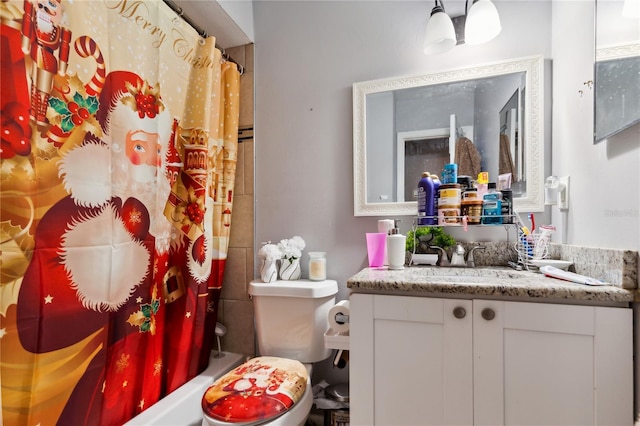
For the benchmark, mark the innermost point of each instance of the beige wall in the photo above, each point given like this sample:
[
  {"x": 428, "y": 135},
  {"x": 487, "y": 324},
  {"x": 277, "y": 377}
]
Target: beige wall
[{"x": 236, "y": 309}]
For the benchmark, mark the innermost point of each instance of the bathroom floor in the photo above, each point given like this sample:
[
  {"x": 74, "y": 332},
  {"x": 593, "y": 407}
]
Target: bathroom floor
[
  {"x": 316, "y": 418},
  {"x": 327, "y": 418}
]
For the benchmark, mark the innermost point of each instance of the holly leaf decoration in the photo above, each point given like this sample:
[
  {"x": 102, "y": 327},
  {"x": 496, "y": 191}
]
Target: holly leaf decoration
[
  {"x": 79, "y": 99},
  {"x": 90, "y": 102},
  {"x": 66, "y": 124},
  {"x": 59, "y": 105},
  {"x": 145, "y": 318},
  {"x": 67, "y": 121},
  {"x": 136, "y": 319},
  {"x": 149, "y": 326},
  {"x": 149, "y": 309}
]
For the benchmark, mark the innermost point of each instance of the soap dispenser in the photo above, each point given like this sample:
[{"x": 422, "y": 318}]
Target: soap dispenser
[{"x": 396, "y": 247}]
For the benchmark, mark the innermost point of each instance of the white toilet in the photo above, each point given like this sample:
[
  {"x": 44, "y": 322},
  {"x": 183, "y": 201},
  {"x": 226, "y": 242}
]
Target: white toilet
[{"x": 291, "y": 318}]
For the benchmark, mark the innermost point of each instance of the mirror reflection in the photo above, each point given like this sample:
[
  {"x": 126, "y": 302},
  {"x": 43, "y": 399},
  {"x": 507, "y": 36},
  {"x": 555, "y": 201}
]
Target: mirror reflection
[
  {"x": 617, "y": 68},
  {"x": 478, "y": 118},
  {"x": 461, "y": 122}
]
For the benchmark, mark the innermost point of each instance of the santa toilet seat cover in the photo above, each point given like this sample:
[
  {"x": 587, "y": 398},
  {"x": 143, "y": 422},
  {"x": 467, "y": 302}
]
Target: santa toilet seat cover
[{"x": 256, "y": 391}]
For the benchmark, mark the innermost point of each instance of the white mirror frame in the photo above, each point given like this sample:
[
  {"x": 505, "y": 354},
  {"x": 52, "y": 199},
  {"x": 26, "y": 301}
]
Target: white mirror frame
[{"x": 533, "y": 67}]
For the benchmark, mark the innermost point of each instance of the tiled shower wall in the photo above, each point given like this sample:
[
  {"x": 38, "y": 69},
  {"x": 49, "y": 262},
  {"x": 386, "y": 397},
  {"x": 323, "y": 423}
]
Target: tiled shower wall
[{"x": 235, "y": 308}]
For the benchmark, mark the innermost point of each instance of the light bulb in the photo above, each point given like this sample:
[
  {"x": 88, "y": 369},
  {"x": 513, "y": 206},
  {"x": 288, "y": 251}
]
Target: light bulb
[
  {"x": 440, "y": 35},
  {"x": 483, "y": 23}
]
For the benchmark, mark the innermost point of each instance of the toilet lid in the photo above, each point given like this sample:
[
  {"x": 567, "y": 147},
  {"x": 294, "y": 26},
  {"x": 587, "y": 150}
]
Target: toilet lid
[{"x": 256, "y": 391}]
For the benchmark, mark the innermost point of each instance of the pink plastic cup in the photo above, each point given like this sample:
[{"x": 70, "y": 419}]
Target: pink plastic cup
[{"x": 376, "y": 248}]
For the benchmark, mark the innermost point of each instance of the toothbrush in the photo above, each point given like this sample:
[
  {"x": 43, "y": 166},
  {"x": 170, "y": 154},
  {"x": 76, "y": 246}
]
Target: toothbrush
[{"x": 533, "y": 222}]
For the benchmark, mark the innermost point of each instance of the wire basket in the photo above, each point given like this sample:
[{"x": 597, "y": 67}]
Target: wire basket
[{"x": 532, "y": 247}]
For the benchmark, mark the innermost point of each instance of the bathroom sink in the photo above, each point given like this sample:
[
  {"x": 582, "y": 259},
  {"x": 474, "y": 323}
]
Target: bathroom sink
[{"x": 459, "y": 274}]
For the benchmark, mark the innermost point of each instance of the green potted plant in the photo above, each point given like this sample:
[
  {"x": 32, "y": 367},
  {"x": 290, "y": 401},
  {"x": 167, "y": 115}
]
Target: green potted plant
[{"x": 420, "y": 241}]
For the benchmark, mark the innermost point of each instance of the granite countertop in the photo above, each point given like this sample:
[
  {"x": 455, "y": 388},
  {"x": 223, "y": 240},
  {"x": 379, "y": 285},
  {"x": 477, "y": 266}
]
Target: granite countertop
[{"x": 481, "y": 282}]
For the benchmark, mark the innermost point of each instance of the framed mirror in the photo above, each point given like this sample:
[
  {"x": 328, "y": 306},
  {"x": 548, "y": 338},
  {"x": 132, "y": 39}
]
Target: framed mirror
[
  {"x": 617, "y": 68},
  {"x": 404, "y": 126}
]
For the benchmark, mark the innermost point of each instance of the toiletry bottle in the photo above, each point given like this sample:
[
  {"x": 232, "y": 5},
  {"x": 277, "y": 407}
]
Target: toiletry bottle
[
  {"x": 492, "y": 206},
  {"x": 425, "y": 200},
  {"x": 507, "y": 206},
  {"x": 465, "y": 183},
  {"x": 436, "y": 194},
  {"x": 449, "y": 202},
  {"x": 481, "y": 184},
  {"x": 396, "y": 248},
  {"x": 450, "y": 174},
  {"x": 384, "y": 227}
]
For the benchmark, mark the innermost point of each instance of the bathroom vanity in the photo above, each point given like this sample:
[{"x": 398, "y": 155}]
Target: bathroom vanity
[{"x": 488, "y": 346}]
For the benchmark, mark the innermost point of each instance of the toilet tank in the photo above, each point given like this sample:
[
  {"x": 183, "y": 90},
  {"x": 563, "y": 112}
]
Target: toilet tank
[{"x": 291, "y": 317}]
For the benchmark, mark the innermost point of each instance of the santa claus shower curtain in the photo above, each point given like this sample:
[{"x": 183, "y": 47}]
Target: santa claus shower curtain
[{"x": 118, "y": 149}]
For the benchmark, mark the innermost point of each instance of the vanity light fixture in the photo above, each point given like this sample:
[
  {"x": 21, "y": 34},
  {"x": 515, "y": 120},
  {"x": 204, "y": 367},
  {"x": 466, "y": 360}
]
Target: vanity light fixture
[
  {"x": 483, "y": 22},
  {"x": 440, "y": 35},
  {"x": 479, "y": 25}
]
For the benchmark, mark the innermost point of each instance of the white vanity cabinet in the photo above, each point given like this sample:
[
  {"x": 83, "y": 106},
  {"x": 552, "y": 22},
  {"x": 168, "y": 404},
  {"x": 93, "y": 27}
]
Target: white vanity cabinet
[{"x": 438, "y": 361}]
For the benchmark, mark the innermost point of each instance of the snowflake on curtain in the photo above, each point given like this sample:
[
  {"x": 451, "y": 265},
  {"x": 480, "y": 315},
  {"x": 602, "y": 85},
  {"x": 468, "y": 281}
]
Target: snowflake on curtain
[
  {"x": 157, "y": 367},
  {"x": 122, "y": 363}
]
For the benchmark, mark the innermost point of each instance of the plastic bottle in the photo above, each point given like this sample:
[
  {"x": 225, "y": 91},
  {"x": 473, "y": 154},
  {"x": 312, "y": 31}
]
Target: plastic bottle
[
  {"x": 492, "y": 206},
  {"x": 507, "y": 206},
  {"x": 465, "y": 183},
  {"x": 384, "y": 227},
  {"x": 450, "y": 174},
  {"x": 436, "y": 192},
  {"x": 396, "y": 248},
  {"x": 425, "y": 200},
  {"x": 481, "y": 184}
]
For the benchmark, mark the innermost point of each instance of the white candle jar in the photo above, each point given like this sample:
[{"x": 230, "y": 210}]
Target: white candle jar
[{"x": 317, "y": 266}]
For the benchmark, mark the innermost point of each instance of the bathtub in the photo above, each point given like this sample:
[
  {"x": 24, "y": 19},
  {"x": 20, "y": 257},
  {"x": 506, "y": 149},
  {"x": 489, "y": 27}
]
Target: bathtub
[{"x": 182, "y": 406}]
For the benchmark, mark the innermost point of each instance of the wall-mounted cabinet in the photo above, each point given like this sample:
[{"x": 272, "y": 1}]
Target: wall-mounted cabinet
[{"x": 436, "y": 361}]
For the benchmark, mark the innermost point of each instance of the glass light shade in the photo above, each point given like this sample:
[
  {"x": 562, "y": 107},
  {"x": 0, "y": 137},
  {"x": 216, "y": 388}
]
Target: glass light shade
[
  {"x": 631, "y": 9},
  {"x": 483, "y": 23},
  {"x": 440, "y": 35}
]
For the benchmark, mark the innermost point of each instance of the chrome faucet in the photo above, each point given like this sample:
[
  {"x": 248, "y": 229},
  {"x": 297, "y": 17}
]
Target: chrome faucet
[
  {"x": 457, "y": 258},
  {"x": 443, "y": 260},
  {"x": 471, "y": 263}
]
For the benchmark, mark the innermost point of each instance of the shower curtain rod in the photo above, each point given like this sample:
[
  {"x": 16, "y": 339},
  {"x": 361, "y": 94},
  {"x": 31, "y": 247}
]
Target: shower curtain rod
[{"x": 177, "y": 9}]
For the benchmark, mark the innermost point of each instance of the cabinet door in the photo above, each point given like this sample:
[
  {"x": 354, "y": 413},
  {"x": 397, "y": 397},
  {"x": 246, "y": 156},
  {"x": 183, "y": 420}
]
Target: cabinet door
[
  {"x": 543, "y": 364},
  {"x": 411, "y": 361}
]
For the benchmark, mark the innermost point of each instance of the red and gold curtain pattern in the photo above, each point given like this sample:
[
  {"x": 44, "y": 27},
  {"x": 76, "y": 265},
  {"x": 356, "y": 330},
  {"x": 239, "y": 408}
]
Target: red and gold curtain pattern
[{"x": 118, "y": 149}]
